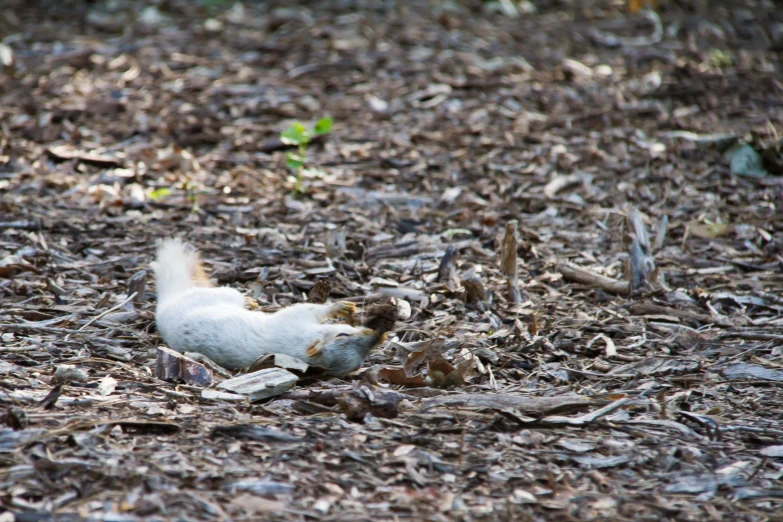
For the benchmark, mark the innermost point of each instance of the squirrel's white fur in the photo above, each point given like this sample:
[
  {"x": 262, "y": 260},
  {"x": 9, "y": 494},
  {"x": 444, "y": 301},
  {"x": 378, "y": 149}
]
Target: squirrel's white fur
[{"x": 193, "y": 316}]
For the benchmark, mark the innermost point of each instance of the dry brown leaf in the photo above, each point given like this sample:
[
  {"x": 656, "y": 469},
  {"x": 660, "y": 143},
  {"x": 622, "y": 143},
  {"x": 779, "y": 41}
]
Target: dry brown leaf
[{"x": 401, "y": 377}]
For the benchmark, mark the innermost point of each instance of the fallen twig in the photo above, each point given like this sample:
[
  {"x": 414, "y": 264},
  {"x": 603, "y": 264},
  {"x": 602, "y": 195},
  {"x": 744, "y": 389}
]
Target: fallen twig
[
  {"x": 585, "y": 276},
  {"x": 508, "y": 261}
]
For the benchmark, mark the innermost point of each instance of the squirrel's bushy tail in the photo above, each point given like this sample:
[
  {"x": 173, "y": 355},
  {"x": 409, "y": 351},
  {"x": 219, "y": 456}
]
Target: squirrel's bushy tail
[{"x": 177, "y": 268}]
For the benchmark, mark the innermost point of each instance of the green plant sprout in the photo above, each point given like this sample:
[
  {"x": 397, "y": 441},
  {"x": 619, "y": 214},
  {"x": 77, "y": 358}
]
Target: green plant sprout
[
  {"x": 299, "y": 135},
  {"x": 160, "y": 193},
  {"x": 191, "y": 189},
  {"x": 720, "y": 59}
]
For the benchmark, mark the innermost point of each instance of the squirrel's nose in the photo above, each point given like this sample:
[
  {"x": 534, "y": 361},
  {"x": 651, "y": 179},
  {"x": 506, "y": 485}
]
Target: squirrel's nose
[
  {"x": 378, "y": 336},
  {"x": 369, "y": 332}
]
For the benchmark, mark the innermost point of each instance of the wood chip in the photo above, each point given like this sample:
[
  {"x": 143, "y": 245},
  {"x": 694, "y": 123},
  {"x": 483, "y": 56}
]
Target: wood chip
[
  {"x": 173, "y": 366},
  {"x": 261, "y": 384}
]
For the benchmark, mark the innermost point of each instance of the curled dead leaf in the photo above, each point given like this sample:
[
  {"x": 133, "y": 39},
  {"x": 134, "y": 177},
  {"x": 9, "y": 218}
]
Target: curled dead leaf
[
  {"x": 399, "y": 376},
  {"x": 416, "y": 353}
]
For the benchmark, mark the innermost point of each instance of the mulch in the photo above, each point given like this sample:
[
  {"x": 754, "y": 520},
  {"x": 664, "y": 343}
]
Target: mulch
[{"x": 493, "y": 175}]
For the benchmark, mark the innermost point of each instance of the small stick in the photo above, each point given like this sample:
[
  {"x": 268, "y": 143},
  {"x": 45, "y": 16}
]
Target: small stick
[
  {"x": 508, "y": 261},
  {"x": 758, "y": 468},
  {"x": 110, "y": 310},
  {"x": 50, "y": 400},
  {"x": 107, "y": 312},
  {"x": 660, "y": 236},
  {"x": 447, "y": 269},
  {"x": 586, "y": 418},
  {"x": 588, "y": 277}
]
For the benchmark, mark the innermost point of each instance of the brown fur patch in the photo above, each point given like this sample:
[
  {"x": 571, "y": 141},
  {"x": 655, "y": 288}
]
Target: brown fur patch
[
  {"x": 314, "y": 349},
  {"x": 200, "y": 275}
]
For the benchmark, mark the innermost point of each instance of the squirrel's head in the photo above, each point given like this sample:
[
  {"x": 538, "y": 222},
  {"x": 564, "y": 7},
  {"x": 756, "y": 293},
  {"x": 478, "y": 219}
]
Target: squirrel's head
[{"x": 342, "y": 348}]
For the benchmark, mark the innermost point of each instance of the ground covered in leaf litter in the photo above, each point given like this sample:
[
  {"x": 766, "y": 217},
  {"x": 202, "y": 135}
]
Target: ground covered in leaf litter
[{"x": 122, "y": 125}]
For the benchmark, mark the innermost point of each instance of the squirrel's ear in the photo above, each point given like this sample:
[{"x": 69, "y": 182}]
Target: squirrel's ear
[{"x": 315, "y": 349}]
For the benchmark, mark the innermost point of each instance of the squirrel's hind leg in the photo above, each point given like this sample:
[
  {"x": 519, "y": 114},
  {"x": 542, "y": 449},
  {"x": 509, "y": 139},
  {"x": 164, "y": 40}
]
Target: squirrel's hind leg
[{"x": 319, "y": 313}]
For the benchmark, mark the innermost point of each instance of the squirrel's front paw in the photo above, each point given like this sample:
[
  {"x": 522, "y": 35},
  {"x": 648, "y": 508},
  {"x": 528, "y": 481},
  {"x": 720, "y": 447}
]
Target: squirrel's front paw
[{"x": 343, "y": 310}]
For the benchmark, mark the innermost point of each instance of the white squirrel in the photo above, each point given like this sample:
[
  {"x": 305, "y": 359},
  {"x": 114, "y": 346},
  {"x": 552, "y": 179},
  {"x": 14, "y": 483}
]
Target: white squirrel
[{"x": 194, "y": 316}]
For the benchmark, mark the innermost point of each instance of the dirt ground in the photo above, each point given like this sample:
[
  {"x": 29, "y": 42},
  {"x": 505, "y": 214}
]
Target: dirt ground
[{"x": 124, "y": 122}]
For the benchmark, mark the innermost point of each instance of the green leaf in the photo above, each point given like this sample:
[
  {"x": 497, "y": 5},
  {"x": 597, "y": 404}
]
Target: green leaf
[
  {"x": 323, "y": 126},
  {"x": 160, "y": 193},
  {"x": 294, "y": 161},
  {"x": 295, "y": 134}
]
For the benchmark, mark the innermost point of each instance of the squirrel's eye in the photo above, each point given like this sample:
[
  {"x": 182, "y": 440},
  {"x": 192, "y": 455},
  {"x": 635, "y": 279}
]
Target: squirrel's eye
[{"x": 342, "y": 335}]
